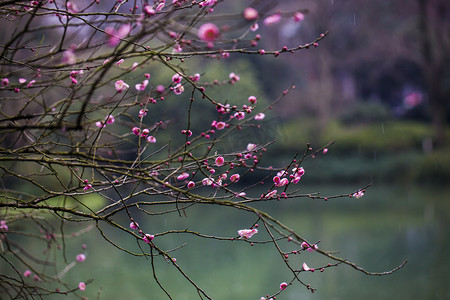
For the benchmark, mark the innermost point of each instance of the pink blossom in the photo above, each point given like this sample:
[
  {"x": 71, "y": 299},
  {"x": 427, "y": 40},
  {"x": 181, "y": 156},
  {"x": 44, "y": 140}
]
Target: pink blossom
[
  {"x": 234, "y": 77},
  {"x": 283, "y": 285},
  {"x": 220, "y": 161},
  {"x": 260, "y": 116},
  {"x": 145, "y": 132},
  {"x": 183, "y": 176},
  {"x": 3, "y": 226},
  {"x": 358, "y": 194},
  {"x": 31, "y": 83},
  {"x": 178, "y": 89},
  {"x": 241, "y": 194},
  {"x": 148, "y": 10},
  {"x": 160, "y": 88},
  {"x": 235, "y": 177},
  {"x": 99, "y": 124},
  {"x": 250, "y": 14},
  {"x": 27, "y": 273},
  {"x": 5, "y": 81},
  {"x": 252, "y": 99},
  {"x": 120, "y": 86},
  {"x": 136, "y": 130},
  {"x": 220, "y": 125},
  {"x": 254, "y": 27},
  {"x": 115, "y": 36},
  {"x": 207, "y": 181},
  {"x": 273, "y": 19},
  {"x": 22, "y": 80},
  {"x": 251, "y": 147},
  {"x": 186, "y": 132},
  {"x": 191, "y": 184},
  {"x": 143, "y": 113},
  {"x": 151, "y": 139},
  {"x": 82, "y": 286},
  {"x": 271, "y": 194},
  {"x": 325, "y": 151},
  {"x": 305, "y": 267},
  {"x": 87, "y": 187},
  {"x": 239, "y": 115},
  {"x": 81, "y": 257},
  {"x": 134, "y": 225},
  {"x": 119, "y": 62},
  {"x": 196, "y": 77},
  {"x": 247, "y": 233},
  {"x": 141, "y": 86},
  {"x": 160, "y": 6},
  {"x": 177, "y": 78},
  {"x": 148, "y": 238},
  {"x": 110, "y": 119},
  {"x": 69, "y": 57},
  {"x": 134, "y": 66},
  {"x": 208, "y": 32},
  {"x": 298, "y": 17}
]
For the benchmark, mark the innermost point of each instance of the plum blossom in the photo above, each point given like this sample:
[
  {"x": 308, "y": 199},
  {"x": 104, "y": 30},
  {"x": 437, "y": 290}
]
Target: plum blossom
[
  {"x": 145, "y": 132},
  {"x": 252, "y": 99},
  {"x": 82, "y": 286},
  {"x": 271, "y": 194},
  {"x": 251, "y": 147},
  {"x": 195, "y": 77},
  {"x": 220, "y": 161},
  {"x": 241, "y": 194},
  {"x": 283, "y": 285},
  {"x": 306, "y": 268},
  {"x": 148, "y": 10},
  {"x": 260, "y": 116},
  {"x": 234, "y": 77},
  {"x": 190, "y": 184},
  {"x": 80, "y": 257},
  {"x": 235, "y": 177},
  {"x": 136, "y": 130},
  {"x": 254, "y": 27},
  {"x": 148, "y": 238},
  {"x": 239, "y": 115},
  {"x": 207, "y": 181},
  {"x": 273, "y": 19},
  {"x": 120, "y": 86},
  {"x": 247, "y": 233},
  {"x": 220, "y": 125},
  {"x": 27, "y": 273},
  {"x": 177, "y": 78},
  {"x": 298, "y": 17},
  {"x": 250, "y": 14},
  {"x": 141, "y": 86},
  {"x": 151, "y": 139},
  {"x": 114, "y": 36},
  {"x": 69, "y": 57},
  {"x": 134, "y": 225},
  {"x": 358, "y": 194},
  {"x": 178, "y": 89},
  {"x": 208, "y": 32},
  {"x": 160, "y": 88},
  {"x": 3, "y": 226},
  {"x": 5, "y": 81},
  {"x": 110, "y": 119},
  {"x": 183, "y": 176}
]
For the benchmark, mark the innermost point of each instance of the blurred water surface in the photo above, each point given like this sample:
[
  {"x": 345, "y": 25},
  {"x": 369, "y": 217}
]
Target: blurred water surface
[{"x": 388, "y": 225}]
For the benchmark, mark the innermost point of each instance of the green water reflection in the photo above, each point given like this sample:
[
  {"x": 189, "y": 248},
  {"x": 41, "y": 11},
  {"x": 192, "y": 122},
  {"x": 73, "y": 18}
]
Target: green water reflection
[{"x": 388, "y": 225}]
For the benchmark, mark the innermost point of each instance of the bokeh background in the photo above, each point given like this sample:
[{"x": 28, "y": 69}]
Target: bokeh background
[{"x": 378, "y": 86}]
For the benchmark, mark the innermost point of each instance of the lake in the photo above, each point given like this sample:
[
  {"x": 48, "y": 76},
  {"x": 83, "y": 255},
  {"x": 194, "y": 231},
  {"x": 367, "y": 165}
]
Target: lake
[{"x": 391, "y": 223}]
